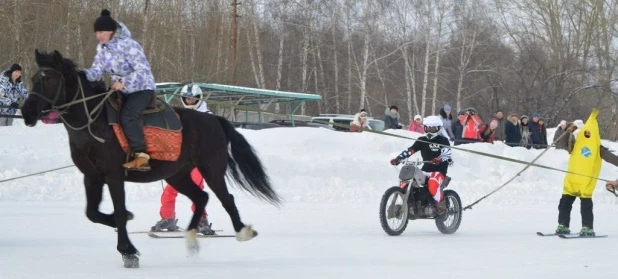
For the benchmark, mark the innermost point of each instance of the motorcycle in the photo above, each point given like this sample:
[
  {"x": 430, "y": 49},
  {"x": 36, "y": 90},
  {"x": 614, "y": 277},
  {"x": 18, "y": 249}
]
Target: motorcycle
[{"x": 417, "y": 203}]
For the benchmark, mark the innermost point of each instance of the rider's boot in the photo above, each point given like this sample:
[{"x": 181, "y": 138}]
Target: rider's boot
[
  {"x": 562, "y": 229},
  {"x": 205, "y": 227},
  {"x": 139, "y": 163},
  {"x": 441, "y": 207},
  {"x": 586, "y": 231},
  {"x": 165, "y": 225}
]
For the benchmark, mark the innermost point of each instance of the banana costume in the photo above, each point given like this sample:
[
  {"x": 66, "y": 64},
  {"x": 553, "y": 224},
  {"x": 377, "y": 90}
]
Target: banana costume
[
  {"x": 585, "y": 165},
  {"x": 585, "y": 159}
]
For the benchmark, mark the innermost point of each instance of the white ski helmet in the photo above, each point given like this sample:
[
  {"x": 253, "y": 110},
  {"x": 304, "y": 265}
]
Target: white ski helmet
[{"x": 196, "y": 92}]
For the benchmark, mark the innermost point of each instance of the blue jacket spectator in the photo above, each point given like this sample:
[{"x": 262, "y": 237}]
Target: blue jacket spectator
[{"x": 12, "y": 92}]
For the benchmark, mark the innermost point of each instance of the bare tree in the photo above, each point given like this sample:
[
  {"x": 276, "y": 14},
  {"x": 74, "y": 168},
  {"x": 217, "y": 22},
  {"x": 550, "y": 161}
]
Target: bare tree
[{"x": 554, "y": 57}]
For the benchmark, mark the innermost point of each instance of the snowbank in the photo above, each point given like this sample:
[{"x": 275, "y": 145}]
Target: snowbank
[{"x": 305, "y": 164}]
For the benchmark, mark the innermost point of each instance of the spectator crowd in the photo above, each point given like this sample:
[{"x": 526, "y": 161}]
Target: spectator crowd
[{"x": 468, "y": 127}]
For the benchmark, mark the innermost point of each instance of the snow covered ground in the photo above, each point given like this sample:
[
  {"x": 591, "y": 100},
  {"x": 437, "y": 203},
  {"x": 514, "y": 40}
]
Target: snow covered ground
[{"x": 328, "y": 227}]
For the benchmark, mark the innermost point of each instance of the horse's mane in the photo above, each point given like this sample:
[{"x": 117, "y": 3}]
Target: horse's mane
[
  {"x": 67, "y": 67},
  {"x": 48, "y": 60}
]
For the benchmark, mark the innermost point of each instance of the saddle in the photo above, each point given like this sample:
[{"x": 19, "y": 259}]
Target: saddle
[
  {"x": 116, "y": 100},
  {"x": 162, "y": 127}
]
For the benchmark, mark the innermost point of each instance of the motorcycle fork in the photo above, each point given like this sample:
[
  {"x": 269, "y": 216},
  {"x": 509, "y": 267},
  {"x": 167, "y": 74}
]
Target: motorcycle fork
[{"x": 408, "y": 189}]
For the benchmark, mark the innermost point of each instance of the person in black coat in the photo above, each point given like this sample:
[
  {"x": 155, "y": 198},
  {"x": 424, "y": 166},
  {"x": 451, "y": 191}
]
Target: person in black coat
[
  {"x": 535, "y": 131},
  {"x": 457, "y": 129},
  {"x": 512, "y": 130}
]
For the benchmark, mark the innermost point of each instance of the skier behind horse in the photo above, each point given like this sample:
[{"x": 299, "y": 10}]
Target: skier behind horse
[{"x": 191, "y": 99}]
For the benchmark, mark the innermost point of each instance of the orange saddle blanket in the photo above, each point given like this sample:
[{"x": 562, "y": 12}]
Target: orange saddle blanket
[
  {"x": 162, "y": 128},
  {"x": 161, "y": 144}
]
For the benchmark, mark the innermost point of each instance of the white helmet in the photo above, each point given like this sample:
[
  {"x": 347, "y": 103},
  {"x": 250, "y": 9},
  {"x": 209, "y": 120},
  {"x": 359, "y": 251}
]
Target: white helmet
[
  {"x": 195, "y": 92},
  {"x": 432, "y": 126}
]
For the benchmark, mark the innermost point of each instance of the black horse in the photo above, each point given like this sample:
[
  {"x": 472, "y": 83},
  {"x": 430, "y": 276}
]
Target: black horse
[{"x": 57, "y": 85}]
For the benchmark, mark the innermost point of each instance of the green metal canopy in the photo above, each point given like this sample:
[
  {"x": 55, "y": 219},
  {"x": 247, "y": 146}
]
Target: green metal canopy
[{"x": 237, "y": 96}]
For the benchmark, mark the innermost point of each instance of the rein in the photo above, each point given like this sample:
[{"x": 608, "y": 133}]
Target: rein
[
  {"x": 91, "y": 115},
  {"x": 96, "y": 112}
]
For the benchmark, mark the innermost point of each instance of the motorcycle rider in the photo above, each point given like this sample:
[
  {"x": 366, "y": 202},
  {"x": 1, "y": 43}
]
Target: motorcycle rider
[{"x": 436, "y": 152}]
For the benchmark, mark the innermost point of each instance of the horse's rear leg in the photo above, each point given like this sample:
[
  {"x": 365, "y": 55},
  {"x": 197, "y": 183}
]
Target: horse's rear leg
[
  {"x": 214, "y": 175},
  {"x": 183, "y": 183},
  {"x": 125, "y": 247}
]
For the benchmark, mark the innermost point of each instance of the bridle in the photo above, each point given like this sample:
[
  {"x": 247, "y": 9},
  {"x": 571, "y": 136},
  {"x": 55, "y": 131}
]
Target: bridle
[
  {"x": 59, "y": 90},
  {"x": 61, "y": 109}
]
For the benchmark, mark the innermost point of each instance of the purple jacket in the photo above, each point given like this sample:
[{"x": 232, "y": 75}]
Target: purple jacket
[{"x": 124, "y": 59}]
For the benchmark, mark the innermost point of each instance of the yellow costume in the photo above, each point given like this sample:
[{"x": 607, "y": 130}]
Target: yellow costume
[{"x": 585, "y": 159}]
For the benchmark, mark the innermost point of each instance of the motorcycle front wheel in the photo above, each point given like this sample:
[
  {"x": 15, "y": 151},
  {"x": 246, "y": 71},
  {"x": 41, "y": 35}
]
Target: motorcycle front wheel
[{"x": 394, "y": 211}]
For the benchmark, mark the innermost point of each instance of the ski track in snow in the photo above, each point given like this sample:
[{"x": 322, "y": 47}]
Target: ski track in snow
[{"x": 332, "y": 183}]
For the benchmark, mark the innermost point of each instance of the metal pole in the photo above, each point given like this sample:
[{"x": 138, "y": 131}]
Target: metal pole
[
  {"x": 294, "y": 111},
  {"x": 260, "y": 113}
]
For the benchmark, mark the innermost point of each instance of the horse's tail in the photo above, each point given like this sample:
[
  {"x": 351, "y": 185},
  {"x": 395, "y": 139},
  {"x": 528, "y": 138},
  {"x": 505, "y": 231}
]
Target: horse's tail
[{"x": 254, "y": 180}]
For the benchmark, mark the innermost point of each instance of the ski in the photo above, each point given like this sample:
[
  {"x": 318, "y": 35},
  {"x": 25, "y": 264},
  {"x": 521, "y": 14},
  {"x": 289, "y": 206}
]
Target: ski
[
  {"x": 554, "y": 234},
  {"x": 145, "y": 232},
  {"x": 158, "y": 235},
  {"x": 163, "y": 232},
  {"x": 581, "y": 236}
]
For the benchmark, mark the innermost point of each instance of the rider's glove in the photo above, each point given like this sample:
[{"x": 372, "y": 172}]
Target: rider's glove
[
  {"x": 609, "y": 186},
  {"x": 395, "y": 161},
  {"x": 436, "y": 161},
  {"x": 450, "y": 162}
]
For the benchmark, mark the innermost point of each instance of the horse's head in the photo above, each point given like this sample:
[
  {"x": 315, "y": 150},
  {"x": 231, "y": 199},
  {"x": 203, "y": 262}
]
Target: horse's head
[{"x": 49, "y": 86}]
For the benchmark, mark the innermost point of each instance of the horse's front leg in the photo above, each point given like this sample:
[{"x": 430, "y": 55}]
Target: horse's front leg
[
  {"x": 94, "y": 195},
  {"x": 125, "y": 247}
]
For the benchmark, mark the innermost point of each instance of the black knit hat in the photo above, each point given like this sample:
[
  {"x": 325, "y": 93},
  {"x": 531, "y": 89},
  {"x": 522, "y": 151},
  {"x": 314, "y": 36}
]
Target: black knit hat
[
  {"x": 15, "y": 67},
  {"x": 105, "y": 22}
]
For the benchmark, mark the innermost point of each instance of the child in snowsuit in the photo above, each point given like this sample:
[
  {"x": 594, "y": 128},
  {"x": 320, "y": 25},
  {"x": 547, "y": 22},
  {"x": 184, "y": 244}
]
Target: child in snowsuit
[
  {"x": 585, "y": 159},
  {"x": 438, "y": 154},
  {"x": 193, "y": 100},
  {"x": 416, "y": 125}
]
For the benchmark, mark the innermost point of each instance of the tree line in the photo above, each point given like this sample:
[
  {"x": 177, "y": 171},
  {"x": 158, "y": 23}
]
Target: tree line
[{"x": 553, "y": 57}]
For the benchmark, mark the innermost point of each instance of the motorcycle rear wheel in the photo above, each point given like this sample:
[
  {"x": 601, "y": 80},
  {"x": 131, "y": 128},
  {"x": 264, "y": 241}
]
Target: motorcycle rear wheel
[{"x": 449, "y": 223}]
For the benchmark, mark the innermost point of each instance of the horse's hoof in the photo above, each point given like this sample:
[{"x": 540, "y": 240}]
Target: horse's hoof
[
  {"x": 131, "y": 261},
  {"x": 246, "y": 233},
  {"x": 193, "y": 246}
]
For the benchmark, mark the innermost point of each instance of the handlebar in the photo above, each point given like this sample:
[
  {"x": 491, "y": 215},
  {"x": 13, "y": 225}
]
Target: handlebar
[{"x": 407, "y": 162}]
